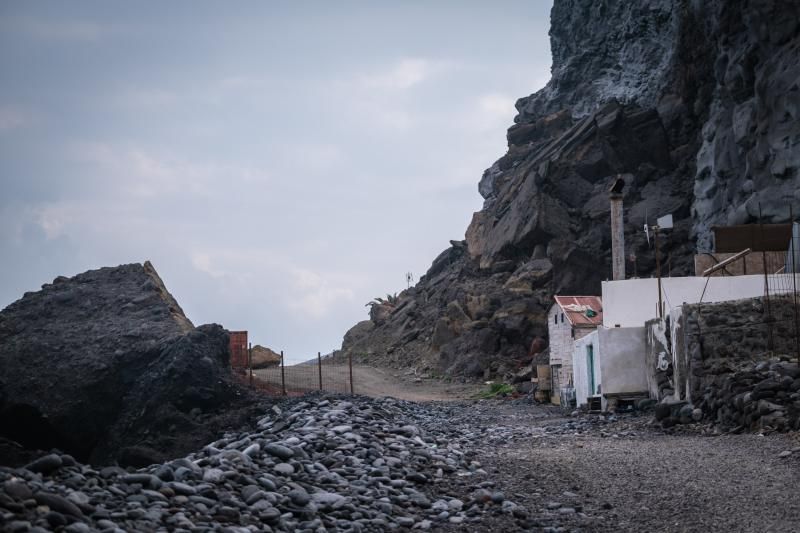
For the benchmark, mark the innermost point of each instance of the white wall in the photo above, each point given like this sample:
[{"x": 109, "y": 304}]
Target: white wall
[
  {"x": 580, "y": 370},
  {"x": 623, "y": 363},
  {"x": 631, "y": 302}
]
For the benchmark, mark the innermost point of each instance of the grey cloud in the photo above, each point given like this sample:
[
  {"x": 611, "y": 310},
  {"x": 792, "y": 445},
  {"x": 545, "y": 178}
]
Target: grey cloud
[{"x": 280, "y": 164}]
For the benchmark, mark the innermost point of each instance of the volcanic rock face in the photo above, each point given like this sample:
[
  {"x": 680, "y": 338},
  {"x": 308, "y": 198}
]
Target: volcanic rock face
[
  {"x": 694, "y": 103},
  {"x": 106, "y": 366}
]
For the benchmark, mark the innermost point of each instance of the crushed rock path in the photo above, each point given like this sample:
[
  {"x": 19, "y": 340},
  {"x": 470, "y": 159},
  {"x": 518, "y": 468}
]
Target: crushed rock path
[{"x": 593, "y": 473}]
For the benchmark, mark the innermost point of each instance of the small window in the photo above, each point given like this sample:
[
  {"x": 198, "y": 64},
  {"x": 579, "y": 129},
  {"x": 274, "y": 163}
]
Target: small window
[
  {"x": 555, "y": 319},
  {"x": 562, "y": 318}
]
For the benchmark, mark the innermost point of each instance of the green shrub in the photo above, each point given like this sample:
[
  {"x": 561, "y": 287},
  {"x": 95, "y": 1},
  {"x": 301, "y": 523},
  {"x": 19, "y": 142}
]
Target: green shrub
[{"x": 496, "y": 389}]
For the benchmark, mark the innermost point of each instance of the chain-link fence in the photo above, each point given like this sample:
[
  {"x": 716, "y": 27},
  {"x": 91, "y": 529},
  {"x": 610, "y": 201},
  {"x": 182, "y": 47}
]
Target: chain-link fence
[
  {"x": 333, "y": 373},
  {"x": 774, "y": 252},
  {"x": 781, "y": 291}
]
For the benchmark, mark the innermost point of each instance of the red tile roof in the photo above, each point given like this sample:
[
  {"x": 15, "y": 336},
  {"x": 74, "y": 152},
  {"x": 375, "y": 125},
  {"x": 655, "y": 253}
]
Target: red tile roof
[{"x": 575, "y": 307}]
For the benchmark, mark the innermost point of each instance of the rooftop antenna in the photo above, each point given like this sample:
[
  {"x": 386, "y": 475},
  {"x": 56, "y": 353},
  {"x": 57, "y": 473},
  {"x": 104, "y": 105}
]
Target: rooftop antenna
[{"x": 409, "y": 279}]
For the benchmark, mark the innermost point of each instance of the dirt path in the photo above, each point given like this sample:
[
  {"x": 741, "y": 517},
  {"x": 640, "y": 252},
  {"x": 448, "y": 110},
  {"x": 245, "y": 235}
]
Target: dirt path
[
  {"x": 377, "y": 382},
  {"x": 369, "y": 381}
]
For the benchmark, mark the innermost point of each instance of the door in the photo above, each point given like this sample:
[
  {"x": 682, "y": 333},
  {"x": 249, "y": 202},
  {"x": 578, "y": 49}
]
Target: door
[
  {"x": 555, "y": 388},
  {"x": 590, "y": 368}
]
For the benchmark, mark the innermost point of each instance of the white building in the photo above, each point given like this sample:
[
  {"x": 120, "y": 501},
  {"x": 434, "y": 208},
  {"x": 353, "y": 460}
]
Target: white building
[
  {"x": 609, "y": 364},
  {"x": 632, "y": 302},
  {"x": 570, "y": 318},
  {"x": 609, "y": 367}
]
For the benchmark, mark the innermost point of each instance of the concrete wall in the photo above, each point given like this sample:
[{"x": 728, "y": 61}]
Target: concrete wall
[
  {"x": 680, "y": 366},
  {"x": 658, "y": 359},
  {"x": 630, "y": 303},
  {"x": 580, "y": 371},
  {"x": 623, "y": 363}
]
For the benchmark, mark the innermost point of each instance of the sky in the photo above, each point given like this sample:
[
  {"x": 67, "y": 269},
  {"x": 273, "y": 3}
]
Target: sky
[{"x": 279, "y": 163}]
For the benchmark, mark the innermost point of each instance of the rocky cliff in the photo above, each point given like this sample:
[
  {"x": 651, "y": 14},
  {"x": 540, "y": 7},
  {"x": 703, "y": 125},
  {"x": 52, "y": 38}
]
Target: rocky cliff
[
  {"x": 694, "y": 103},
  {"x": 106, "y": 366}
]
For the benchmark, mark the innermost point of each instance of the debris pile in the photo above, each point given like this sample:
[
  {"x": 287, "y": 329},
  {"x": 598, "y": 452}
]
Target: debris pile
[{"x": 326, "y": 462}]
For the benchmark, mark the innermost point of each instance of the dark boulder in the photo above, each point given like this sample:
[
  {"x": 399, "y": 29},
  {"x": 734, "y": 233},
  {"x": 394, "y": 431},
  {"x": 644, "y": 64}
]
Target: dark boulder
[{"x": 107, "y": 360}]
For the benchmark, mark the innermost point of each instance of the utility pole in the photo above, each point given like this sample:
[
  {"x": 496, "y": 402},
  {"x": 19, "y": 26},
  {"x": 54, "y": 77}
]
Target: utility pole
[
  {"x": 319, "y": 368},
  {"x": 658, "y": 272},
  {"x": 793, "y": 251},
  {"x": 283, "y": 375},
  {"x": 250, "y": 362}
]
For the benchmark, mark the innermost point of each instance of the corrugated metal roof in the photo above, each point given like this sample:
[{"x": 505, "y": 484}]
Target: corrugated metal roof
[{"x": 575, "y": 308}]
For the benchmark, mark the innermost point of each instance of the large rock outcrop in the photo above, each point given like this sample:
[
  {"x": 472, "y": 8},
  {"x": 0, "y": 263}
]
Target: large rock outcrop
[
  {"x": 695, "y": 104},
  {"x": 105, "y": 366}
]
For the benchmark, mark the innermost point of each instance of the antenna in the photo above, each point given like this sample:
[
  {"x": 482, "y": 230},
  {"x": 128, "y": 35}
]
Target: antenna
[
  {"x": 409, "y": 279},
  {"x": 664, "y": 222}
]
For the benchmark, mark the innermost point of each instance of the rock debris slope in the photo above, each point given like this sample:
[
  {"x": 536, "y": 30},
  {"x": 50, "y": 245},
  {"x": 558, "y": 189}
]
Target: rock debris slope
[
  {"x": 324, "y": 464},
  {"x": 695, "y": 103},
  {"x": 105, "y": 365}
]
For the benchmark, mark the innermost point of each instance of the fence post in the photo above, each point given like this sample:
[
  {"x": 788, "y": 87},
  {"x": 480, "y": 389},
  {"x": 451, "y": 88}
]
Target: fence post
[
  {"x": 250, "y": 362},
  {"x": 350, "y": 364},
  {"x": 319, "y": 366},
  {"x": 283, "y": 375},
  {"x": 793, "y": 251}
]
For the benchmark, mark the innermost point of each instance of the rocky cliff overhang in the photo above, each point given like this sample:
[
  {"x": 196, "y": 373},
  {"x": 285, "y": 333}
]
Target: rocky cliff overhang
[{"x": 695, "y": 104}]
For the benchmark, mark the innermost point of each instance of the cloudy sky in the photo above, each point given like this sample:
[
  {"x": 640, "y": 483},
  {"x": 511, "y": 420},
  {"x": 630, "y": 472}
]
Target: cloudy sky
[{"x": 280, "y": 163}]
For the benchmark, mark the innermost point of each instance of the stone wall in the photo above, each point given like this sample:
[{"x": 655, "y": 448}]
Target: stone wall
[{"x": 724, "y": 366}]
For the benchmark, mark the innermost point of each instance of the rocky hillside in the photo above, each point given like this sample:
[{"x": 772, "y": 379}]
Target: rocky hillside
[
  {"x": 106, "y": 366},
  {"x": 695, "y": 104}
]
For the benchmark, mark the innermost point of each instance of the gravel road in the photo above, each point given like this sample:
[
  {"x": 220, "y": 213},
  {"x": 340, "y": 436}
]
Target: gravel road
[{"x": 593, "y": 473}]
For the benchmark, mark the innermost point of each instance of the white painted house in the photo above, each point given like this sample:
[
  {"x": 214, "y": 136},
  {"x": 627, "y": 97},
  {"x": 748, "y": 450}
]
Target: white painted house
[
  {"x": 608, "y": 363},
  {"x": 570, "y": 318}
]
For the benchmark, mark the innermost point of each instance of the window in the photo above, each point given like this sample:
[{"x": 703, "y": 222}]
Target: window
[
  {"x": 562, "y": 318},
  {"x": 555, "y": 319}
]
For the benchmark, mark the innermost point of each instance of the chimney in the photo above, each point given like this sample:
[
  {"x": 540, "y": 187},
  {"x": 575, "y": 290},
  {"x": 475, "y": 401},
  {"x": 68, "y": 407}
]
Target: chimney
[{"x": 617, "y": 230}]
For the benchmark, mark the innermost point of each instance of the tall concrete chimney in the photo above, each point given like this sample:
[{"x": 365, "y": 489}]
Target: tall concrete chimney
[{"x": 617, "y": 230}]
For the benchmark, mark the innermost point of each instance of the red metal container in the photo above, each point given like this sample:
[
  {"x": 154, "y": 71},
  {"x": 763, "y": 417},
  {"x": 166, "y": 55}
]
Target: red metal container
[{"x": 238, "y": 349}]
